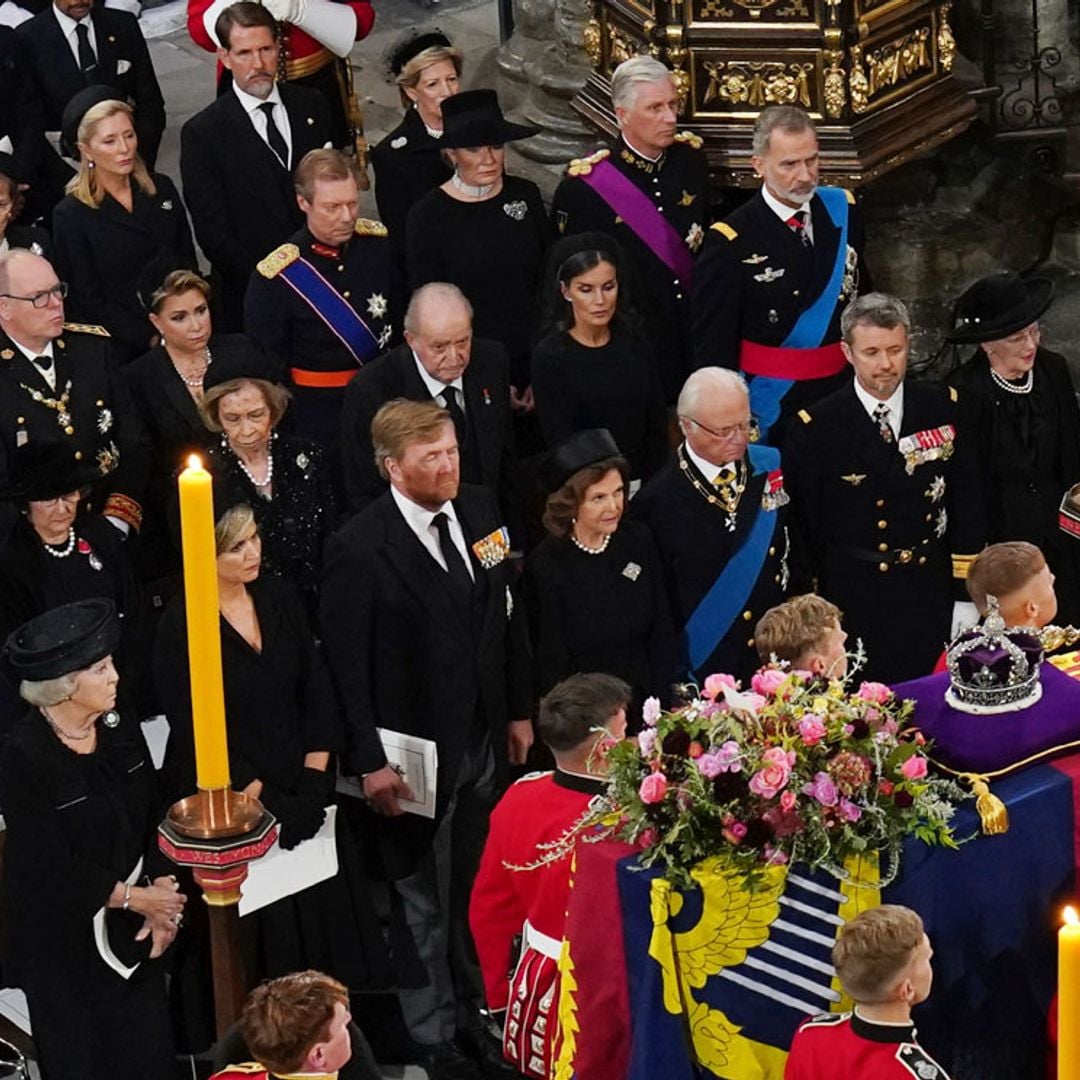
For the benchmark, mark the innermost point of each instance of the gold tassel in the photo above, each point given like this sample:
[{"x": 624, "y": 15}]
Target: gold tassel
[{"x": 992, "y": 812}]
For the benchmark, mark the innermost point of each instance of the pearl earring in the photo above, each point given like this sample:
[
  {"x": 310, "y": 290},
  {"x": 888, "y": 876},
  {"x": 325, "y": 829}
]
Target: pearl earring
[{"x": 89, "y": 164}]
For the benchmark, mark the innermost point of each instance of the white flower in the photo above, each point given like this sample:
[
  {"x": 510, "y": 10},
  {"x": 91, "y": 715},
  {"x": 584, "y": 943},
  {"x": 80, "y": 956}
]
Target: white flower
[{"x": 650, "y": 711}]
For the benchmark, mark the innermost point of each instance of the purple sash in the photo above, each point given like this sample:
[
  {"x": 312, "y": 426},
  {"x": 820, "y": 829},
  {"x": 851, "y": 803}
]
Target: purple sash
[{"x": 639, "y": 213}]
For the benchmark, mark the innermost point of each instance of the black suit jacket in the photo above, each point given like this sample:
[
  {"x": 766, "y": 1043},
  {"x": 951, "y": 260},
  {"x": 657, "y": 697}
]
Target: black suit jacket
[
  {"x": 240, "y": 196},
  {"x": 406, "y": 655},
  {"x": 120, "y": 44},
  {"x": 487, "y": 455}
]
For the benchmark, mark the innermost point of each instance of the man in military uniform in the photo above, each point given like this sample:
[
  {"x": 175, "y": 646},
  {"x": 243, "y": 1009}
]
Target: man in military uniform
[
  {"x": 323, "y": 304},
  {"x": 774, "y": 276},
  {"x": 884, "y": 497},
  {"x": 649, "y": 191},
  {"x": 717, "y": 514},
  {"x": 57, "y": 384}
]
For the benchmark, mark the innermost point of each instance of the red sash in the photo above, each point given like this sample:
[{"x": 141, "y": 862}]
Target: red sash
[{"x": 778, "y": 362}]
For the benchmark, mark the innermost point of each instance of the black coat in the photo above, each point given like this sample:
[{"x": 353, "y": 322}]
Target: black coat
[
  {"x": 696, "y": 545},
  {"x": 405, "y": 655},
  {"x": 119, "y": 40},
  {"x": 241, "y": 197},
  {"x": 102, "y": 251},
  {"x": 77, "y": 824},
  {"x": 487, "y": 455},
  {"x": 880, "y": 542},
  {"x": 679, "y": 186}
]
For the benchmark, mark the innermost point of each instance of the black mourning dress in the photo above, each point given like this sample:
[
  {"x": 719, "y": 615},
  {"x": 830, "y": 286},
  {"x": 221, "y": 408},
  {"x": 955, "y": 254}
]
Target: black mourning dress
[
  {"x": 77, "y": 824},
  {"x": 494, "y": 252},
  {"x": 1028, "y": 453},
  {"x": 279, "y": 705},
  {"x": 616, "y": 386},
  {"x": 606, "y": 612}
]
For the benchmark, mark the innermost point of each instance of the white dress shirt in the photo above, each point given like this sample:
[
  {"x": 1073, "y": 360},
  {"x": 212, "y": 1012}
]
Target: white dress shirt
[
  {"x": 421, "y": 521},
  {"x": 50, "y": 375},
  {"x": 784, "y": 212},
  {"x": 707, "y": 468},
  {"x": 895, "y": 404},
  {"x": 67, "y": 28},
  {"x": 437, "y": 389},
  {"x": 258, "y": 117}
]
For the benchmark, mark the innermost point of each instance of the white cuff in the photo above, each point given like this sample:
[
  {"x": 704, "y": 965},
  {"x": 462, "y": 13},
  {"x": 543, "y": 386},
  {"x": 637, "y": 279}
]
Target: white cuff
[
  {"x": 964, "y": 616},
  {"x": 330, "y": 23},
  {"x": 123, "y": 526},
  {"x": 210, "y": 16}
]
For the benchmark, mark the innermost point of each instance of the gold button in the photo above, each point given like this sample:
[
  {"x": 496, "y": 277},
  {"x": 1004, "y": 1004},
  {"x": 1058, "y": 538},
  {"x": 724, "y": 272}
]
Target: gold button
[
  {"x": 777, "y": 579},
  {"x": 883, "y": 547},
  {"x": 883, "y": 567},
  {"x": 346, "y": 294},
  {"x": 881, "y": 502},
  {"x": 882, "y": 524},
  {"x": 69, "y": 430},
  {"x": 342, "y": 266},
  {"x": 20, "y": 420},
  {"x": 929, "y": 517},
  {"x": 772, "y": 551},
  {"x": 100, "y": 404},
  {"x": 750, "y": 642},
  {"x": 78, "y": 455},
  {"x": 922, "y": 560},
  {"x": 747, "y": 615}
]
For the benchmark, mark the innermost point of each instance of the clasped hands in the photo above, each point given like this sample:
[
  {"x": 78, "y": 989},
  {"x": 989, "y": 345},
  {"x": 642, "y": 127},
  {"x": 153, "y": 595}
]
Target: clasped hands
[{"x": 161, "y": 904}]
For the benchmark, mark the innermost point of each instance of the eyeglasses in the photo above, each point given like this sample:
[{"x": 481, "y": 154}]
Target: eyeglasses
[
  {"x": 42, "y": 299},
  {"x": 1031, "y": 331},
  {"x": 748, "y": 429},
  {"x": 70, "y": 499}
]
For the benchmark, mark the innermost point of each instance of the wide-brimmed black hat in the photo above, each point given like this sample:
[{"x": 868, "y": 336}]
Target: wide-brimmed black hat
[
  {"x": 77, "y": 108},
  {"x": 999, "y": 305},
  {"x": 45, "y": 470},
  {"x": 473, "y": 118},
  {"x": 239, "y": 363},
  {"x": 413, "y": 46},
  {"x": 63, "y": 640},
  {"x": 581, "y": 449}
]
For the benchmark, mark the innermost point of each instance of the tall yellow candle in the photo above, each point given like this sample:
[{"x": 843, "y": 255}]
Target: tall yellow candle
[
  {"x": 1069, "y": 997},
  {"x": 203, "y": 626}
]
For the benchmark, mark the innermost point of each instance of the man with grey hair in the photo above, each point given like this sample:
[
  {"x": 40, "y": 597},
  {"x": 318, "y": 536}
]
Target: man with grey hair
[
  {"x": 718, "y": 516},
  {"x": 440, "y": 361},
  {"x": 775, "y": 274},
  {"x": 885, "y": 497},
  {"x": 650, "y": 192}
]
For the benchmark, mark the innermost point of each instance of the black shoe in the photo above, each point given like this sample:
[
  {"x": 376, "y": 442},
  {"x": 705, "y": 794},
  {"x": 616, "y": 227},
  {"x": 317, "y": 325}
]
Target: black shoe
[
  {"x": 447, "y": 1062},
  {"x": 487, "y": 1052}
]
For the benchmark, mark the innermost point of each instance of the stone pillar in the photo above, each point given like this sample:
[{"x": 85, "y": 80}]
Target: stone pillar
[{"x": 534, "y": 22}]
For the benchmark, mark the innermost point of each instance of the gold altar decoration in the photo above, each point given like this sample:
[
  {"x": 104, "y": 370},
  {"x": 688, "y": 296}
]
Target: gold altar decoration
[{"x": 874, "y": 74}]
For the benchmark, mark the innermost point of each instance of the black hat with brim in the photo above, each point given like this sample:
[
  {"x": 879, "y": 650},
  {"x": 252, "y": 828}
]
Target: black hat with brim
[
  {"x": 7, "y": 164},
  {"x": 154, "y": 273},
  {"x": 63, "y": 640},
  {"x": 77, "y": 108},
  {"x": 999, "y": 305},
  {"x": 239, "y": 363},
  {"x": 413, "y": 46},
  {"x": 45, "y": 470},
  {"x": 579, "y": 450},
  {"x": 473, "y": 118}
]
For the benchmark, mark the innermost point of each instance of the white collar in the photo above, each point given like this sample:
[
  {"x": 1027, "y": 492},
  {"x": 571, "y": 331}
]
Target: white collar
[
  {"x": 644, "y": 157},
  {"x": 895, "y": 404},
  {"x": 251, "y": 102},
  {"x": 417, "y": 517},
  {"x": 29, "y": 353},
  {"x": 67, "y": 23},
  {"x": 782, "y": 210},
  {"x": 437, "y": 386},
  {"x": 706, "y": 468}
]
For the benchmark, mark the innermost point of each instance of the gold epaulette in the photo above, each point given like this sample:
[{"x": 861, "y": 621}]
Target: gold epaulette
[
  {"x": 86, "y": 328},
  {"x": 539, "y": 775},
  {"x": 961, "y": 564},
  {"x": 582, "y": 166},
  {"x": 953, "y": 395},
  {"x": 277, "y": 260},
  {"x": 369, "y": 227},
  {"x": 724, "y": 229},
  {"x": 804, "y": 416},
  {"x": 850, "y": 195},
  {"x": 694, "y": 141}
]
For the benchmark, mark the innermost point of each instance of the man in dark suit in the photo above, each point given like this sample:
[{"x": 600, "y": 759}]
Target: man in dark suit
[
  {"x": 717, "y": 514},
  {"x": 885, "y": 498},
  {"x": 238, "y": 154},
  {"x": 439, "y": 358},
  {"x": 72, "y": 44},
  {"x": 775, "y": 274},
  {"x": 423, "y": 638}
]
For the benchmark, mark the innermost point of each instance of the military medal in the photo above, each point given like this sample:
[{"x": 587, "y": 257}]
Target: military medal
[
  {"x": 769, "y": 275},
  {"x": 931, "y": 444},
  {"x": 59, "y": 405},
  {"x": 854, "y": 479},
  {"x": 376, "y": 305},
  {"x": 493, "y": 548},
  {"x": 936, "y": 491},
  {"x": 774, "y": 495}
]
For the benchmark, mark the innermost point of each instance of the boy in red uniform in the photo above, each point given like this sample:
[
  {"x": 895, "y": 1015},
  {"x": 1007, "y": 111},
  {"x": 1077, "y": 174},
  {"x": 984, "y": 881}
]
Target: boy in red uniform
[
  {"x": 882, "y": 958},
  {"x": 521, "y": 887}
]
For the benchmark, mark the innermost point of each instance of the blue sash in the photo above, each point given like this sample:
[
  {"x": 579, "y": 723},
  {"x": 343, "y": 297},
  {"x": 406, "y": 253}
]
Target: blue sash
[
  {"x": 333, "y": 309},
  {"x": 767, "y": 393},
  {"x": 717, "y": 609}
]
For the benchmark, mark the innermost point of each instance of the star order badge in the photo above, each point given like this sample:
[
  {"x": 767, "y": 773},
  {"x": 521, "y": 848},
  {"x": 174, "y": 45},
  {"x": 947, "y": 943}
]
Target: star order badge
[
  {"x": 492, "y": 549},
  {"x": 936, "y": 491},
  {"x": 376, "y": 305}
]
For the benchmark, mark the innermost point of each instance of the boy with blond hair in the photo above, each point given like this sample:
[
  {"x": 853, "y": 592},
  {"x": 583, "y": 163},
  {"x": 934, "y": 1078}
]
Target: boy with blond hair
[
  {"x": 805, "y": 631},
  {"x": 882, "y": 959},
  {"x": 1017, "y": 575}
]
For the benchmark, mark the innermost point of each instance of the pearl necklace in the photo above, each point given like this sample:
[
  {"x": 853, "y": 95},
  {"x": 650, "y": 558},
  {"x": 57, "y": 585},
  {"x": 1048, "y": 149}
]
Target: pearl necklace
[
  {"x": 65, "y": 734},
  {"x": 198, "y": 380},
  {"x": 1014, "y": 388},
  {"x": 269, "y": 472},
  {"x": 66, "y": 550},
  {"x": 475, "y": 191},
  {"x": 590, "y": 550}
]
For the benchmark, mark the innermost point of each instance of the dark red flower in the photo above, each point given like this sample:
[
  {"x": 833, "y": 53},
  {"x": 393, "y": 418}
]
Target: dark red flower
[
  {"x": 903, "y": 798},
  {"x": 758, "y": 833},
  {"x": 83, "y": 546},
  {"x": 676, "y": 742}
]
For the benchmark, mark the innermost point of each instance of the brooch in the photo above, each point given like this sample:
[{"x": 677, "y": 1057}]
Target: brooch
[
  {"x": 302, "y": 460},
  {"x": 516, "y": 209},
  {"x": 632, "y": 571},
  {"x": 166, "y": 204},
  {"x": 493, "y": 548},
  {"x": 695, "y": 236},
  {"x": 487, "y": 395},
  {"x": 399, "y": 142}
]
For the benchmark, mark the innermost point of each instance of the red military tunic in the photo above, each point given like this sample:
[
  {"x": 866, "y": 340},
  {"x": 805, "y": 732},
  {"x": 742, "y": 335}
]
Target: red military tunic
[
  {"x": 836, "y": 1045},
  {"x": 539, "y": 809},
  {"x": 252, "y": 1070}
]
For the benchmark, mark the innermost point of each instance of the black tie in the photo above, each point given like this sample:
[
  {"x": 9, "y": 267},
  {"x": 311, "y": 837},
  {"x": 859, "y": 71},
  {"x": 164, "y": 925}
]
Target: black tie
[
  {"x": 273, "y": 134},
  {"x": 460, "y": 579},
  {"x": 457, "y": 414},
  {"x": 44, "y": 364},
  {"x": 87, "y": 59}
]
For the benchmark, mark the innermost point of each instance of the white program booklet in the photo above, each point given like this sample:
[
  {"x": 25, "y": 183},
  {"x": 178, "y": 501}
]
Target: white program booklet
[
  {"x": 283, "y": 873},
  {"x": 416, "y": 759}
]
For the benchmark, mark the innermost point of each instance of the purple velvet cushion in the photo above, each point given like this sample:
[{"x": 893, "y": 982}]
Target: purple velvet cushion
[{"x": 986, "y": 744}]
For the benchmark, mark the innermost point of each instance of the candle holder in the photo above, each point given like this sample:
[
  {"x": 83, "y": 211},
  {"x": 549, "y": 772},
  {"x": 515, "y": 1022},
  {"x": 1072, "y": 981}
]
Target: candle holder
[{"x": 216, "y": 834}]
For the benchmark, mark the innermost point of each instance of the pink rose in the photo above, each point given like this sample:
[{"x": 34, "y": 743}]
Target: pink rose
[
  {"x": 811, "y": 729},
  {"x": 650, "y": 711},
  {"x": 653, "y": 788},
  {"x": 647, "y": 838},
  {"x": 874, "y": 692},
  {"x": 822, "y": 789},
  {"x": 774, "y": 773},
  {"x": 646, "y": 740},
  {"x": 787, "y": 801},
  {"x": 767, "y": 681},
  {"x": 849, "y": 811},
  {"x": 710, "y": 765},
  {"x": 914, "y": 768},
  {"x": 714, "y": 686}
]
